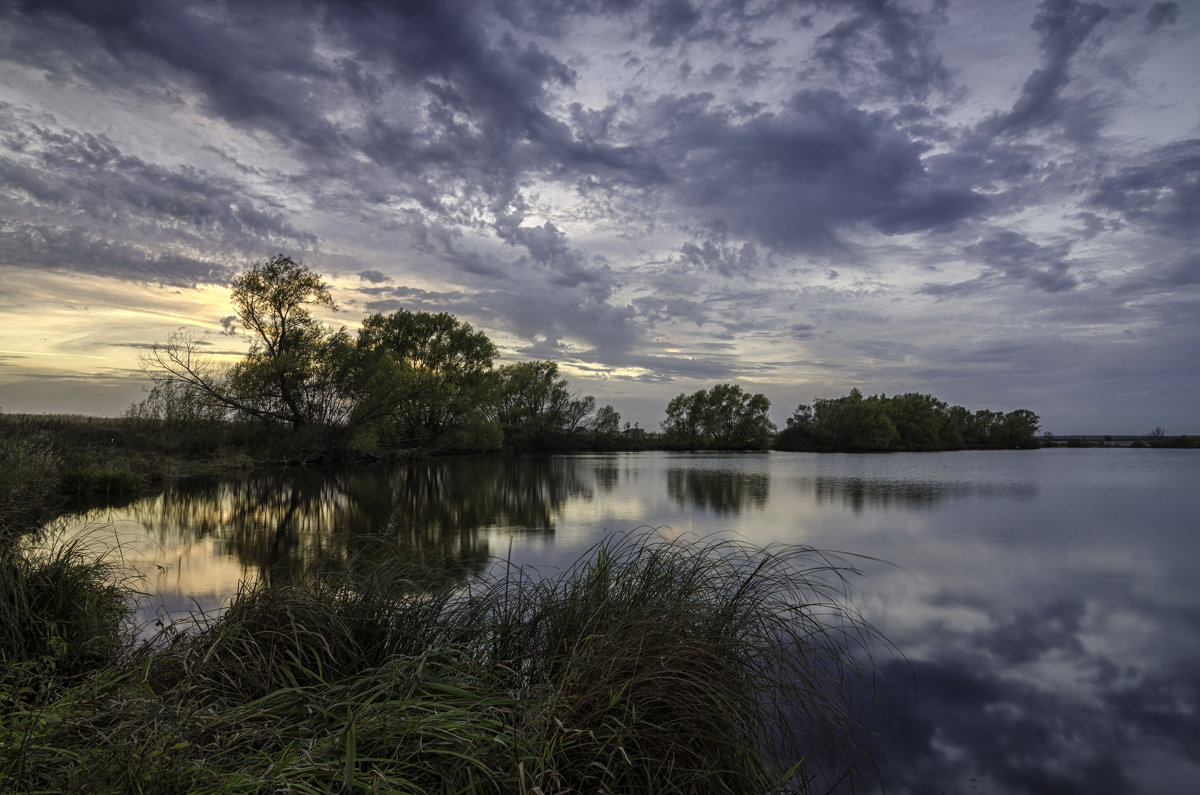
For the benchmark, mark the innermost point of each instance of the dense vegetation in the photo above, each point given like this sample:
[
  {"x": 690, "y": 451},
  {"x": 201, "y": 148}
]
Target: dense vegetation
[
  {"x": 854, "y": 423},
  {"x": 722, "y": 418},
  {"x": 649, "y": 666}
]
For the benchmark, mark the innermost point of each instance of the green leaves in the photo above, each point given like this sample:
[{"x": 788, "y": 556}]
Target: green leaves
[{"x": 722, "y": 418}]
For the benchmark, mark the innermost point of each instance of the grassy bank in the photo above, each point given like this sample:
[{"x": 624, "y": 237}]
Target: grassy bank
[
  {"x": 50, "y": 463},
  {"x": 649, "y": 666}
]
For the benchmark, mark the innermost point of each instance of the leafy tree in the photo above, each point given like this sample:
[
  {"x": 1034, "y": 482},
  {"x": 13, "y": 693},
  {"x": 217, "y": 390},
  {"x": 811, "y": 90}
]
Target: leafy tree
[
  {"x": 425, "y": 376},
  {"x": 290, "y": 373},
  {"x": 722, "y": 418},
  {"x": 607, "y": 422},
  {"x": 903, "y": 422},
  {"x": 1019, "y": 430},
  {"x": 605, "y": 428},
  {"x": 535, "y": 408}
]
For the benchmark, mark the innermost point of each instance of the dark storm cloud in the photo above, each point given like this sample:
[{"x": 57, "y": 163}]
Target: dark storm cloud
[
  {"x": 1011, "y": 258},
  {"x": 47, "y": 247},
  {"x": 1161, "y": 15},
  {"x": 888, "y": 40},
  {"x": 1180, "y": 277},
  {"x": 796, "y": 178},
  {"x": 1161, "y": 191},
  {"x": 1062, "y": 26},
  {"x": 597, "y": 179},
  {"x": 50, "y": 174},
  {"x": 474, "y": 119}
]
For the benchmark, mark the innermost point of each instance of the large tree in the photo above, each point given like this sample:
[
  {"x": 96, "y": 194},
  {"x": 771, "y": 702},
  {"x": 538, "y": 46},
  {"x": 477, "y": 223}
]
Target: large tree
[
  {"x": 535, "y": 407},
  {"x": 292, "y": 370},
  {"x": 423, "y": 375}
]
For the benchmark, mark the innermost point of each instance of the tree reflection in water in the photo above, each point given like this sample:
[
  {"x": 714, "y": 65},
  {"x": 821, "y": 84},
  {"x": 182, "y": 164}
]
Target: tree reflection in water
[
  {"x": 722, "y": 491},
  {"x": 435, "y": 512},
  {"x": 859, "y": 493}
]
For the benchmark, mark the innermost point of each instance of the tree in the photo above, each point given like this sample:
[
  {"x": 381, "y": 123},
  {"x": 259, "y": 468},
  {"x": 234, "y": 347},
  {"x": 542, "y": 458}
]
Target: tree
[
  {"x": 722, "y": 418},
  {"x": 605, "y": 429},
  {"x": 290, "y": 373},
  {"x": 426, "y": 375},
  {"x": 534, "y": 406},
  {"x": 1019, "y": 430}
]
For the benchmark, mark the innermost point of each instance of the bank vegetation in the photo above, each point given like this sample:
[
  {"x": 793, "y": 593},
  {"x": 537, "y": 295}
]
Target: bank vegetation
[{"x": 648, "y": 666}]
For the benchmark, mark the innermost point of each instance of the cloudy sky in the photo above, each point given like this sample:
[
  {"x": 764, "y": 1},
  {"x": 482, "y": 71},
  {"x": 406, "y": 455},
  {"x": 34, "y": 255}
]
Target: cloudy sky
[{"x": 993, "y": 201}]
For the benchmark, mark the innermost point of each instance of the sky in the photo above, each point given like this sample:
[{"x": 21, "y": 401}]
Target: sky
[{"x": 996, "y": 202}]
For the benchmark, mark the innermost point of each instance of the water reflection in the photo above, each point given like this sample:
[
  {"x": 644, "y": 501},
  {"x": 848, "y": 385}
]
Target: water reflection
[
  {"x": 858, "y": 493},
  {"x": 202, "y": 536},
  {"x": 722, "y": 491}
]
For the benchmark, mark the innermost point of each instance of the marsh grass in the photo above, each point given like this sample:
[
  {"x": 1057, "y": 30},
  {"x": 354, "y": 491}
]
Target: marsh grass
[
  {"x": 650, "y": 665},
  {"x": 64, "y": 608}
]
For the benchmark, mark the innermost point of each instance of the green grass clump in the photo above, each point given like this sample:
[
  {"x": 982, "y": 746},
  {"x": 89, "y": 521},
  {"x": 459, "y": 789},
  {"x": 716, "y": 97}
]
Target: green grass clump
[
  {"x": 63, "y": 611},
  {"x": 648, "y": 666}
]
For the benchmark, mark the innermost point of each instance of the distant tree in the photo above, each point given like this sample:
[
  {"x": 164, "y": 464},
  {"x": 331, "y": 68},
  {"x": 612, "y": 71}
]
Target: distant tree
[
  {"x": 605, "y": 429},
  {"x": 854, "y": 423},
  {"x": 722, "y": 418},
  {"x": 607, "y": 422},
  {"x": 1019, "y": 430},
  {"x": 849, "y": 423},
  {"x": 800, "y": 432}
]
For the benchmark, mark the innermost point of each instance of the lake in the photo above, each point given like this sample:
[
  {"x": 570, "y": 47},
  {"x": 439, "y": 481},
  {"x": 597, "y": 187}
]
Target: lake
[{"x": 1046, "y": 602}]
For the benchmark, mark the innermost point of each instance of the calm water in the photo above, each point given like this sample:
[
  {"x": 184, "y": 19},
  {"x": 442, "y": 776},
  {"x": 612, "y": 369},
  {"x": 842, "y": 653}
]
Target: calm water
[{"x": 1047, "y": 601}]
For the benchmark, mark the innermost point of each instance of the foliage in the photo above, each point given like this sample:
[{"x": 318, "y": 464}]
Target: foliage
[
  {"x": 722, "y": 418},
  {"x": 535, "y": 407},
  {"x": 409, "y": 379},
  {"x": 290, "y": 374},
  {"x": 604, "y": 430},
  {"x": 650, "y": 665},
  {"x": 61, "y": 611},
  {"x": 29, "y": 474},
  {"x": 912, "y": 421},
  {"x": 423, "y": 376}
]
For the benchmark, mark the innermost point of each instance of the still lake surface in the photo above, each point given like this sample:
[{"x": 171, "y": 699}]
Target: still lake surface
[{"x": 1047, "y": 602}]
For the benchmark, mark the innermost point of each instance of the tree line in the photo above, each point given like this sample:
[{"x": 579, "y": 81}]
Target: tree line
[{"x": 425, "y": 380}]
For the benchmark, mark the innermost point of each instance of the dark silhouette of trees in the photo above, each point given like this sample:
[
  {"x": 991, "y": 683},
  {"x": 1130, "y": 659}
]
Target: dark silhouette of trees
[
  {"x": 536, "y": 409},
  {"x": 912, "y": 421},
  {"x": 290, "y": 374},
  {"x": 424, "y": 378}
]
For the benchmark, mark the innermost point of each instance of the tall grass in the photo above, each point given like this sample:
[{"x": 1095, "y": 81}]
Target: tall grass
[
  {"x": 64, "y": 609},
  {"x": 648, "y": 666},
  {"x": 28, "y": 480}
]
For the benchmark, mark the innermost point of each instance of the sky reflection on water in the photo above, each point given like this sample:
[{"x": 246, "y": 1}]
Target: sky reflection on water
[{"x": 1045, "y": 600}]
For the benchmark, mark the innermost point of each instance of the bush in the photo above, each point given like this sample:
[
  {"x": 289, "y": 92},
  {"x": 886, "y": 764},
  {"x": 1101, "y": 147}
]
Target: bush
[{"x": 63, "y": 613}]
